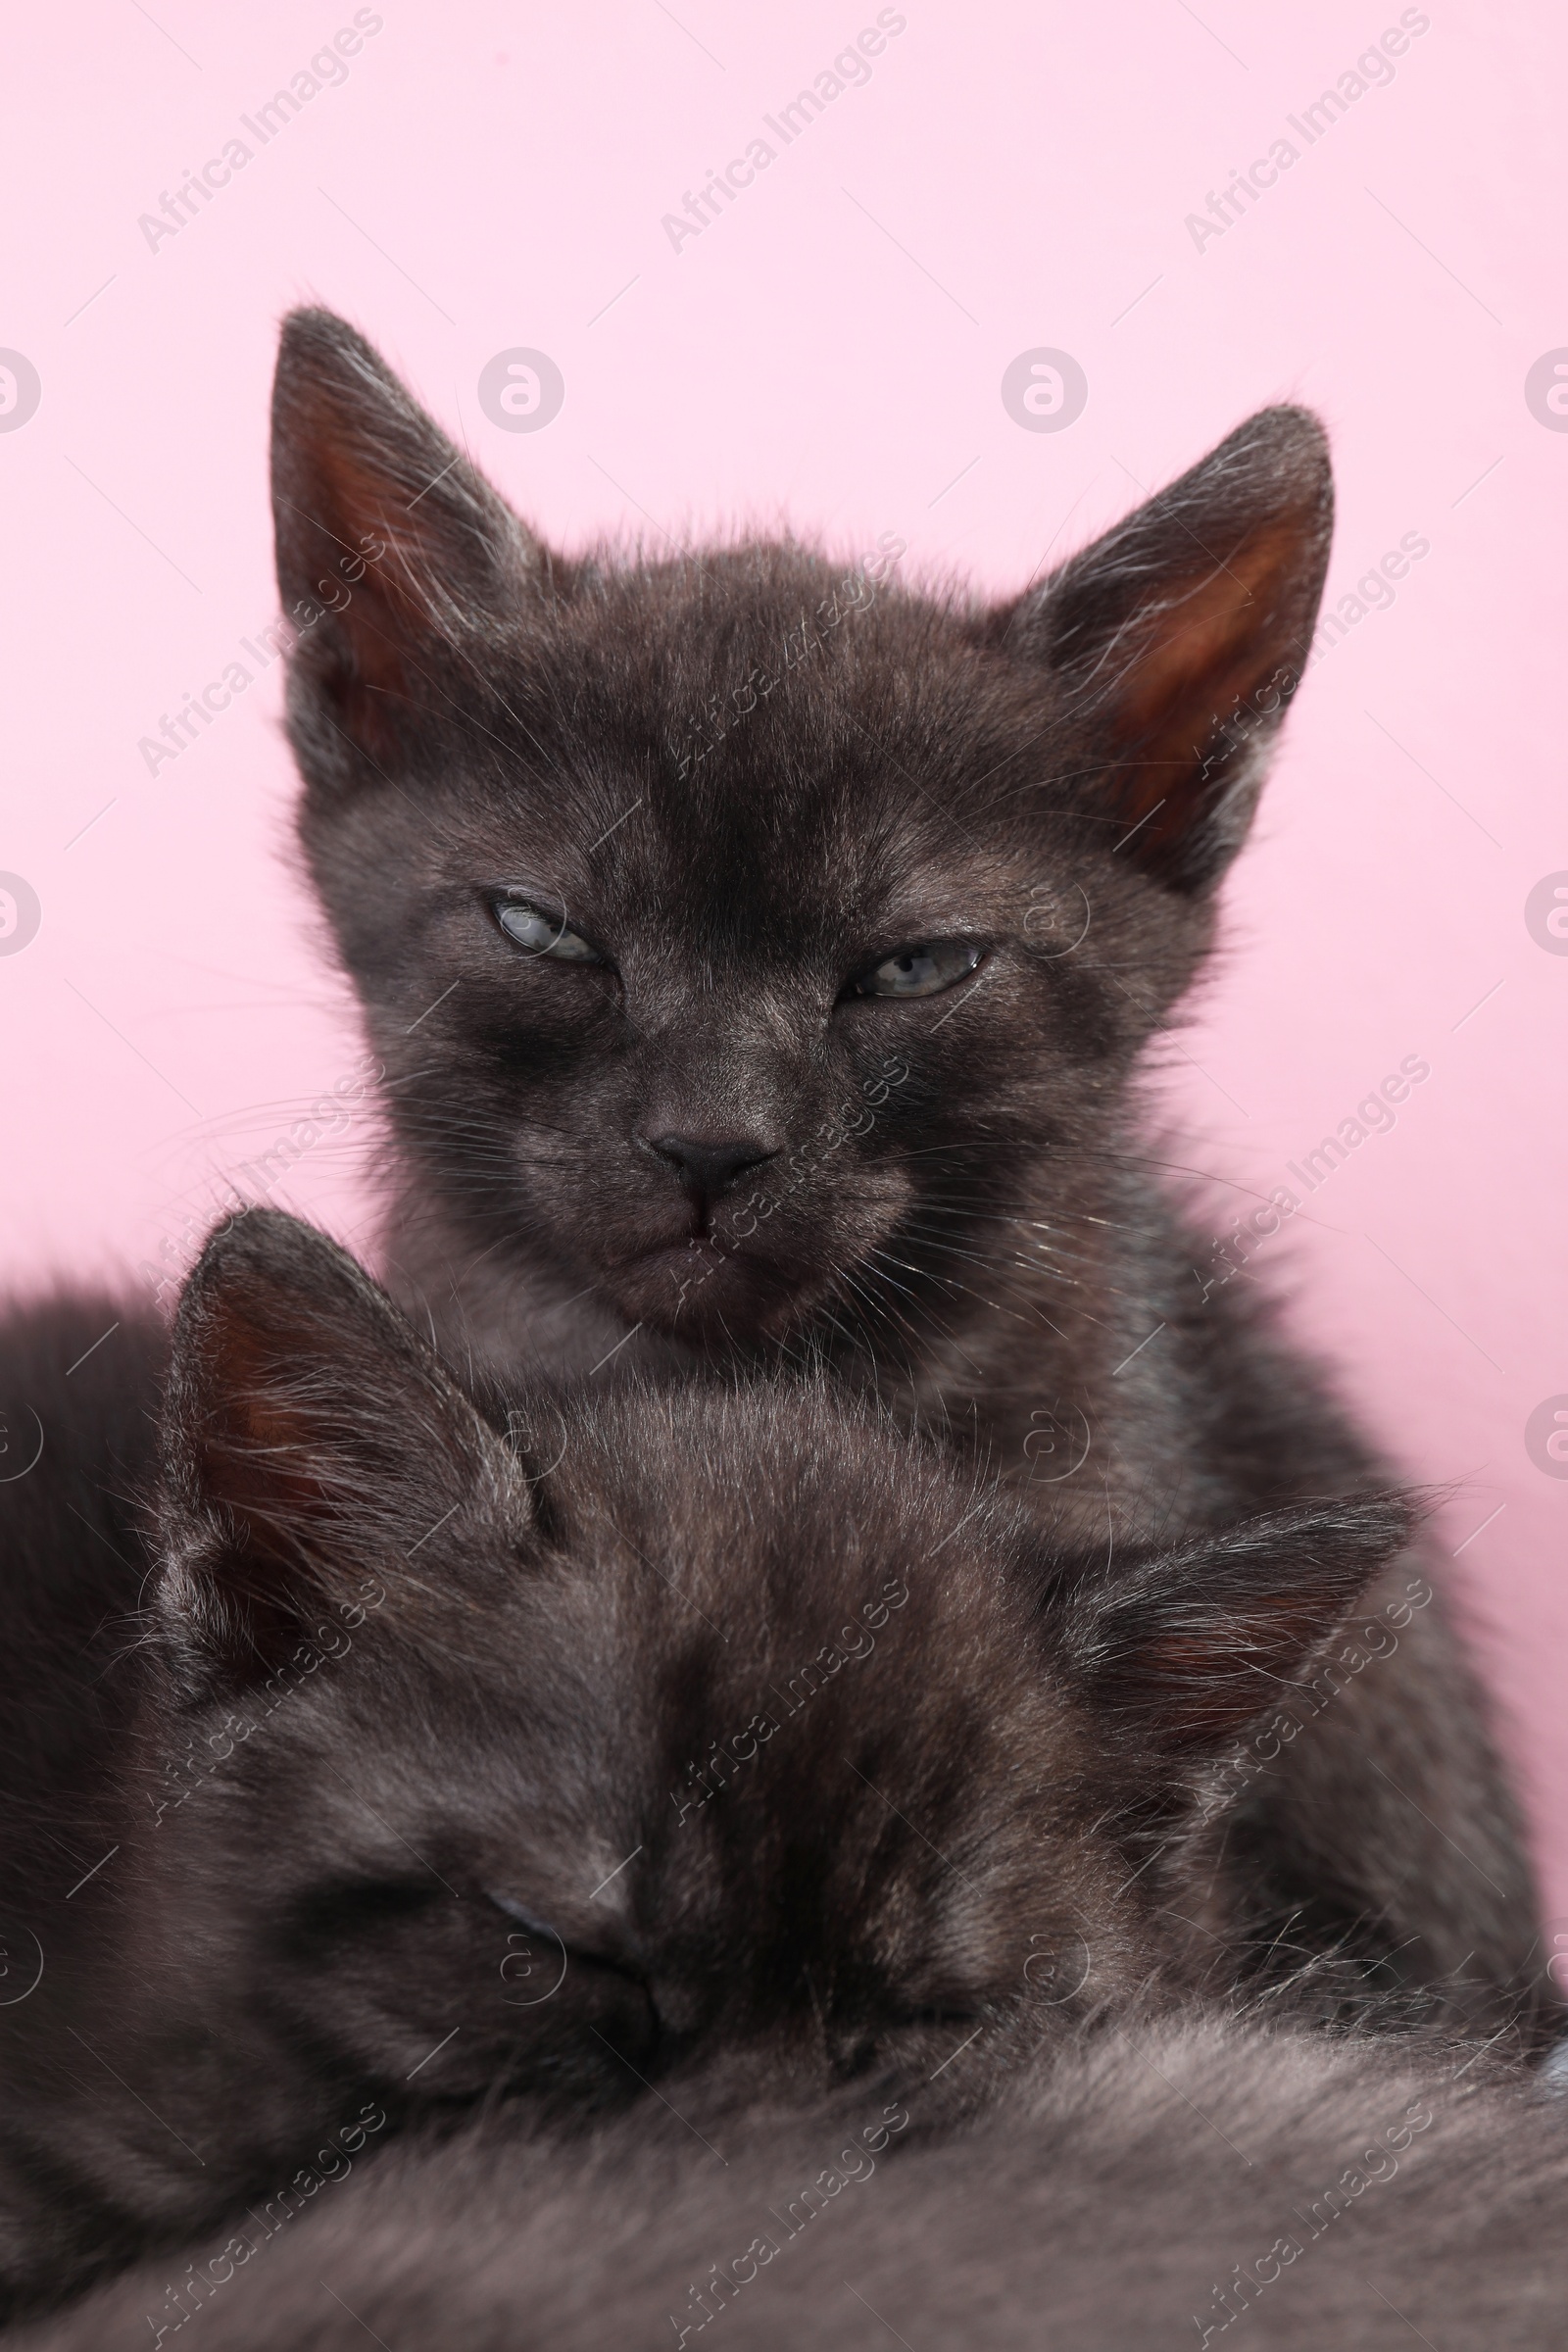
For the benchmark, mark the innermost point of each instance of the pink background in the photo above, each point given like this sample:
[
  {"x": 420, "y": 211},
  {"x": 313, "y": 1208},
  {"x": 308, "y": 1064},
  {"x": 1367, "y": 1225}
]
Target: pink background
[{"x": 830, "y": 351}]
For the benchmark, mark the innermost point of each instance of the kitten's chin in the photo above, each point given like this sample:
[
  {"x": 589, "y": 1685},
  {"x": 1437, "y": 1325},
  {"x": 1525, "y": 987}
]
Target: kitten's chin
[{"x": 710, "y": 1296}]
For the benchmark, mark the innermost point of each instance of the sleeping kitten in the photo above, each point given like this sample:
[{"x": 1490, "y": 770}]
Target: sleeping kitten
[
  {"x": 763, "y": 959},
  {"x": 682, "y": 1746},
  {"x": 1157, "y": 2185}
]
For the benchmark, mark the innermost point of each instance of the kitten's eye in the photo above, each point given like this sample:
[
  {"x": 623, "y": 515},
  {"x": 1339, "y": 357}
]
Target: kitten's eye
[
  {"x": 541, "y": 933},
  {"x": 921, "y": 972},
  {"x": 551, "y": 1942},
  {"x": 524, "y": 1919}
]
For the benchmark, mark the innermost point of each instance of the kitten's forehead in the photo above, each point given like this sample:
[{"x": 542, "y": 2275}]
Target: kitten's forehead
[
  {"x": 692, "y": 749},
  {"x": 745, "y": 858},
  {"x": 745, "y": 1535}
]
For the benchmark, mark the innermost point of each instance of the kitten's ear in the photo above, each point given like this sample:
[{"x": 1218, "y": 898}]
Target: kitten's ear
[
  {"x": 1188, "y": 1648},
  {"x": 311, "y": 1444},
  {"x": 1177, "y": 641},
  {"x": 395, "y": 557}
]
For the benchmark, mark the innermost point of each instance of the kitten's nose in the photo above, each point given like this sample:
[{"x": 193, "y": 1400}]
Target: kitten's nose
[{"x": 710, "y": 1164}]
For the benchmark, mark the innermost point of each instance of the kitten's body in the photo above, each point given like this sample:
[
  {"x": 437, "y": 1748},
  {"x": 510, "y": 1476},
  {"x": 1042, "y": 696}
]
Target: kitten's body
[
  {"x": 1164, "y": 2183},
  {"x": 690, "y": 1112},
  {"x": 80, "y": 1384},
  {"x": 806, "y": 1762}
]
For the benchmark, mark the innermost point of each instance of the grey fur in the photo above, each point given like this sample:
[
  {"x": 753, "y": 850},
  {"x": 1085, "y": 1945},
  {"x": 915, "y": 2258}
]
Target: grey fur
[{"x": 1155, "y": 2184}]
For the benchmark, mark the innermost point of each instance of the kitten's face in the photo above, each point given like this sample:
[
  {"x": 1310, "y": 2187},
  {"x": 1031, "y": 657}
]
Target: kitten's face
[
  {"x": 721, "y": 1775},
  {"x": 742, "y": 1743},
  {"x": 790, "y": 1029},
  {"x": 744, "y": 937}
]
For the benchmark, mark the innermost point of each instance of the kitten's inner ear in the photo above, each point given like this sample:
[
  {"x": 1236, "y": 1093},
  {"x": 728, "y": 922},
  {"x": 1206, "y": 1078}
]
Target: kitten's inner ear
[
  {"x": 1176, "y": 643},
  {"x": 311, "y": 1441},
  {"x": 396, "y": 560},
  {"x": 1183, "y": 1649}
]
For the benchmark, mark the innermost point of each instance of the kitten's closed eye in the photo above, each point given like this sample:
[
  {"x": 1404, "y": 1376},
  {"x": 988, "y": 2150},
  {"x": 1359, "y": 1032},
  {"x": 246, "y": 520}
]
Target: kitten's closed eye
[
  {"x": 924, "y": 970},
  {"x": 465, "y": 1993},
  {"x": 550, "y": 1942},
  {"x": 540, "y": 932}
]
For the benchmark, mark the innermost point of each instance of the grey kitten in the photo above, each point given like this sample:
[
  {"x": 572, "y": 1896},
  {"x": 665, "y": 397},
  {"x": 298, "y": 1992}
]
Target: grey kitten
[{"x": 619, "y": 1750}]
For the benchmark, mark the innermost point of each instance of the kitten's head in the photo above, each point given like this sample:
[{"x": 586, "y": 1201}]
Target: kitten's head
[
  {"x": 675, "y": 1735},
  {"x": 744, "y": 936}
]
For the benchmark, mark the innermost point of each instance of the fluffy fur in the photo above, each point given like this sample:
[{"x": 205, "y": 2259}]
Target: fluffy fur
[
  {"x": 742, "y": 777},
  {"x": 1186, "y": 2183},
  {"x": 651, "y": 1747}
]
